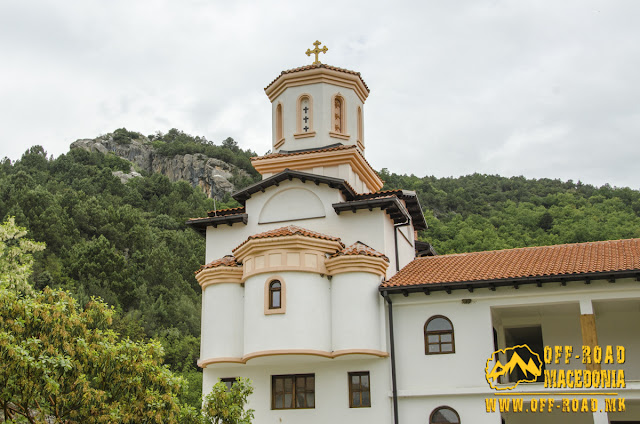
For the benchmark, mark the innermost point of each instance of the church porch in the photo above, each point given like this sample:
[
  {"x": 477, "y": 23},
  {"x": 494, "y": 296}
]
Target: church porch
[{"x": 603, "y": 332}]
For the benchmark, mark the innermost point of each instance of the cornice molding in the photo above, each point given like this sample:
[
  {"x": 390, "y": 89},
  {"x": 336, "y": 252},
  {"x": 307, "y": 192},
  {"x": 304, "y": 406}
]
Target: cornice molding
[
  {"x": 356, "y": 263},
  {"x": 315, "y": 76},
  {"x": 311, "y": 160},
  {"x": 203, "y": 363},
  {"x": 293, "y": 242},
  {"x": 219, "y": 275},
  {"x": 285, "y": 253}
]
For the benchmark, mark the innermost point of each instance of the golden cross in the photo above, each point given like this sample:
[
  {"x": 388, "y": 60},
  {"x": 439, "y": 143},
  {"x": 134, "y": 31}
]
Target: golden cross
[{"x": 317, "y": 51}]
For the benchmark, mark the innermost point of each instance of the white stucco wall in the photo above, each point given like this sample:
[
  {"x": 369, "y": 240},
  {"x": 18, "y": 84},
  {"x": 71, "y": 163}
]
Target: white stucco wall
[
  {"x": 355, "y": 311},
  {"x": 469, "y": 408},
  {"x": 618, "y": 323},
  {"x": 331, "y": 389},
  {"x": 222, "y": 321},
  {"x": 306, "y": 323},
  {"x": 458, "y": 380},
  {"x": 420, "y": 373},
  {"x": 373, "y": 228}
]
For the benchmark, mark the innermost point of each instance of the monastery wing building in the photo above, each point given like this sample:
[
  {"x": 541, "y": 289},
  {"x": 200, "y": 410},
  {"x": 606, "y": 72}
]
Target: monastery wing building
[{"x": 318, "y": 291}]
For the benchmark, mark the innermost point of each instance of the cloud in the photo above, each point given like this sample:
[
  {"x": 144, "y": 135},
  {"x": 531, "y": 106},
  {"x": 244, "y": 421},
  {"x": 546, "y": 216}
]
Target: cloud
[{"x": 542, "y": 89}]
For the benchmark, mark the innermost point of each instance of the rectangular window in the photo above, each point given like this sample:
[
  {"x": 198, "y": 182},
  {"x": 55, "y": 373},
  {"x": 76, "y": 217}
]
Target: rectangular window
[
  {"x": 359, "y": 390},
  {"x": 229, "y": 381},
  {"x": 296, "y": 391}
]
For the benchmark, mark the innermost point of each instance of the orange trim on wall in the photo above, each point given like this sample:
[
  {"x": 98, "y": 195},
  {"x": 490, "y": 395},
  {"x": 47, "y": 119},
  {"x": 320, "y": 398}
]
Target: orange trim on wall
[
  {"x": 311, "y": 160},
  {"x": 219, "y": 275},
  {"x": 318, "y": 75},
  {"x": 203, "y": 363},
  {"x": 304, "y": 135},
  {"x": 356, "y": 263}
]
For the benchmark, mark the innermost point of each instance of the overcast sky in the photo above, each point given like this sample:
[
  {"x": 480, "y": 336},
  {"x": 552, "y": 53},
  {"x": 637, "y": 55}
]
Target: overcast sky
[{"x": 540, "y": 88}]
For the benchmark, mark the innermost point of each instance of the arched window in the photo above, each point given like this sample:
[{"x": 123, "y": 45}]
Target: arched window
[
  {"x": 339, "y": 115},
  {"x": 275, "y": 296},
  {"x": 279, "y": 124},
  {"x": 275, "y": 292},
  {"x": 438, "y": 336},
  {"x": 304, "y": 117},
  {"x": 444, "y": 415}
]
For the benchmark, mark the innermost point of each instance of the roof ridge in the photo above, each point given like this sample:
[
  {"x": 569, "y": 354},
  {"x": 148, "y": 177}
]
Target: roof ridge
[
  {"x": 360, "y": 248},
  {"x": 548, "y": 246},
  {"x": 552, "y": 261},
  {"x": 290, "y": 230},
  {"x": 226, "y": 260}
]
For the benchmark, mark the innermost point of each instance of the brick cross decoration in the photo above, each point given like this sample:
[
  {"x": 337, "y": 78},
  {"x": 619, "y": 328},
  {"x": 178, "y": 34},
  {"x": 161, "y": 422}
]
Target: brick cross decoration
[{"x": 317, "y": 51}]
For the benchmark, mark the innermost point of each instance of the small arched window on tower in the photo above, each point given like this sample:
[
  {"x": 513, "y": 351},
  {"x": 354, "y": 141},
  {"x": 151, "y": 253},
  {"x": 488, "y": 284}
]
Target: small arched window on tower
[
  {"x": 274, "y": 296},
  {"x": 338, "y": 118},
  {"x": 304, "y": 117},
  {"x": 444, "y": 415},
  {"x": 438, "y": 336},
  {"x": 275, "y": 290},
  {"x": 279, "y": 126},
  {"x": 338, "y": 114},
  {"x": 360, "y": 139}
]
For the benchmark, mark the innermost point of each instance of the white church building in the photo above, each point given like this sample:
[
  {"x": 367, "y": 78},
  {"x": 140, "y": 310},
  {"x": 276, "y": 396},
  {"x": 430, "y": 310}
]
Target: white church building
[{"x": 318, "y": 291}]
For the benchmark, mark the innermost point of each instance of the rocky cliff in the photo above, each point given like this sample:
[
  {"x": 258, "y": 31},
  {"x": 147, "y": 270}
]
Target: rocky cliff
[{"x": 211, "y": 175}]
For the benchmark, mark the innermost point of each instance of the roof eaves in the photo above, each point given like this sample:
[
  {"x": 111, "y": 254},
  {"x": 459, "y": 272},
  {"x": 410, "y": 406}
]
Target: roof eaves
[
  {"x": 390, "y": 204},
  {"x": 201, "y": 224},
  {"x": 315, "y": 66},
  {"x": 502, "y": 282}
]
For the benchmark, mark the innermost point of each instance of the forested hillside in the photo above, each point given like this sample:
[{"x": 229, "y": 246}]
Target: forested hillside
[
  {"x": 128, "y": 243},
  {"x": 486, "y": 212}
]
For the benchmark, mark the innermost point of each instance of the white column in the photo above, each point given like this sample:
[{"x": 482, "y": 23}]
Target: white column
[
  {"x": 586, "y": 307},
  {"x": 600, "y": 417}
]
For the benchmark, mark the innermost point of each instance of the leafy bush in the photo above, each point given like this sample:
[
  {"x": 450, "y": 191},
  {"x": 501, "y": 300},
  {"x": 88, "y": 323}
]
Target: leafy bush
[{"x": 122, "y": 136}]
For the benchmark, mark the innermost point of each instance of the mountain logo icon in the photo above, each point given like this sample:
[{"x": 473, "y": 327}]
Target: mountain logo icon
[{"x": 530, "y": 368}]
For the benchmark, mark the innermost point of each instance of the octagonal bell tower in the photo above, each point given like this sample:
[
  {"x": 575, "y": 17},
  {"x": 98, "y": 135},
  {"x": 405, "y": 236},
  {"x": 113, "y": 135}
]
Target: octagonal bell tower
[{"x": 317, "y": 106}]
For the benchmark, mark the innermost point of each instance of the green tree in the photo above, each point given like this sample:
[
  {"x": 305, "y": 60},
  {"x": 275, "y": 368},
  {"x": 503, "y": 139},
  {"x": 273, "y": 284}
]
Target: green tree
[
  {"x": 16, "y": 259},
  {"x": 63, "y": 363},
  {"x": 226, "y": 406}
]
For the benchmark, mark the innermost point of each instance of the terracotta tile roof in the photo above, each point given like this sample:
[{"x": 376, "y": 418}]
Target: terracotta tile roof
[
  {"x": 226, "y": 212},
  {"x": 302, "y": 152},
  {"x": 543, "y": 261},
  {"x": 359, "y": 248},
  {"x": 320, "y": 65},
  {"x": 290, "y": 230},
  {"x": 228, "y": 260}
]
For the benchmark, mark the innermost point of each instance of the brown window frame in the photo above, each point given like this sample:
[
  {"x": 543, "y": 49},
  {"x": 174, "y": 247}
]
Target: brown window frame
[
  {"x": 227, "y": 380},
  {"x": 439, "y": 333},
  {"x": 272, "y": 290},
  {"x": 443, "y": 407},
  {"x": 294, "y": 391},
  {"x": 360, "y": 390}
]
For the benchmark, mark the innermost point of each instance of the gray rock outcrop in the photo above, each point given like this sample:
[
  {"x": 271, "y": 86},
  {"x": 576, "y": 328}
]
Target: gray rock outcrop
[{"x": 211, "y": 175}]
